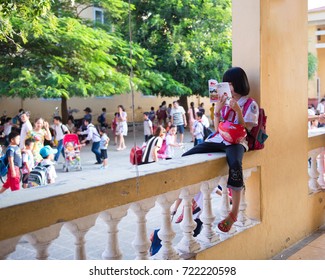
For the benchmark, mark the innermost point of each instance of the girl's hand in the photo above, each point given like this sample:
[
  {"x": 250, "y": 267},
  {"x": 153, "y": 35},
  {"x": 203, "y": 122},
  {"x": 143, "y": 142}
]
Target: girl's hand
[
  {"x": 220, "y": 103},
  {"x": 46, "y": 125},
  {"x": 234, "y": 105}
]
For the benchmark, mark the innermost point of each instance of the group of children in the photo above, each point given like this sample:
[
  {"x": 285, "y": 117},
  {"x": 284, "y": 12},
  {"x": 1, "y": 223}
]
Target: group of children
[{"x": 23, "y": 159}]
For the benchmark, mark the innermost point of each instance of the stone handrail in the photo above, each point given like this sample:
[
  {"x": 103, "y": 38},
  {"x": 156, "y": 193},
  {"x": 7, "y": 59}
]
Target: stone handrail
[
  {"x": 78, "y": 209},
  {"x": 186, "y": 248}
]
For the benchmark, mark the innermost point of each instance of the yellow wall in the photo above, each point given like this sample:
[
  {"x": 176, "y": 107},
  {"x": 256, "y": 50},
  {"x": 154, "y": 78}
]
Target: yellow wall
[
  {"x": 279, "y": 78},
  {"x": 45, "y": 108}
]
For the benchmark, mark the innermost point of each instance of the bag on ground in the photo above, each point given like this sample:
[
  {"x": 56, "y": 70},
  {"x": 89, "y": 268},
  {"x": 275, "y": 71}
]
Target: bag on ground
[{"x": 136, "y": 155}]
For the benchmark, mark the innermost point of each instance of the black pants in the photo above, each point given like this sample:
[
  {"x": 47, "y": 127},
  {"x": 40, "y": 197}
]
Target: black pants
[{"x": 234, "y": 155}]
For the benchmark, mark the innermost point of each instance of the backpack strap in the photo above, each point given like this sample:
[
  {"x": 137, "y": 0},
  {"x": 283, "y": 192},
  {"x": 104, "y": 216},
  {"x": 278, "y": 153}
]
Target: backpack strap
[{"x": 246, "y": 105}]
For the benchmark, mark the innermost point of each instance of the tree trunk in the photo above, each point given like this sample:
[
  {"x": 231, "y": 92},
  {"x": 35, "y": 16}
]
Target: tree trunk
[
  {"x": 183, "y": 102},
  {"x": 64, "y": 110}
]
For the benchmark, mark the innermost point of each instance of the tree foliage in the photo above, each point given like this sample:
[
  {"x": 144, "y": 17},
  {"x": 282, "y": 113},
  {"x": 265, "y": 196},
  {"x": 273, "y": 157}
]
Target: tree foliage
[
  {"x": 48, "y": 50},
  {"x": 191, "y": 40},
  {"x": 312, "y": 65},
  {"x": 28, "y": 10}
]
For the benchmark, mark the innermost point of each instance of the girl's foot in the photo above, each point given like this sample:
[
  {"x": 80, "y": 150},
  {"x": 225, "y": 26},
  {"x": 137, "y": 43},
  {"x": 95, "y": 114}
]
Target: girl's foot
[{"x": 226, "y": 224}]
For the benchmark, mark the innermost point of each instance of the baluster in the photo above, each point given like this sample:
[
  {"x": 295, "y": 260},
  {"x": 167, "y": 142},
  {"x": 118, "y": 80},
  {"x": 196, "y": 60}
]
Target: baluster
[
  {"x": 320, "y": 169},
  {"x": 225, "y": 202},
  {"x": 225, "y": 209},
  {"x": 42, "y": 239},
  {"x": 312, "y": 171},
  {"x": 112, "y": 217},
  {"x": 8, "y": 246},
  {"x": 188, "y": 244},
  {"x": 166, "y": 233},
  {"x": 242, "y": 219},
  {"x": 141, "y": 243},
  {"x": 208, "y": 235},
  {"x": 79, "y": 228}
]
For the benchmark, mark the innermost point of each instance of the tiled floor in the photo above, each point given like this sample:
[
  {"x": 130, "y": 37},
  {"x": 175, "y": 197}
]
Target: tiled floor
[{"x": 310, "y": 248}]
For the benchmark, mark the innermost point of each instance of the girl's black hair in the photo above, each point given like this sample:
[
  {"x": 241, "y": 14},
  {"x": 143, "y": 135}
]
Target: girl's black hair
[{"x": 237, "y": 77}]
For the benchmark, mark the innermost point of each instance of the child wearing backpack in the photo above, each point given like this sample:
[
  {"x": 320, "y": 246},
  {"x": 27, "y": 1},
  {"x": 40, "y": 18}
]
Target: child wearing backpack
[
  {"x": 198, "y": 128},
  {"x": 233, "y": 112},
  {"x": 28, "y": 160},
  {"x": 48, "y": 153},
  {"x": 13, "y": 155}
]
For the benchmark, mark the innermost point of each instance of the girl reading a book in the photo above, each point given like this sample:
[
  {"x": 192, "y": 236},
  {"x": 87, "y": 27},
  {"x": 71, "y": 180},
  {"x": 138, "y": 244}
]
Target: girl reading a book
[{"x": 231, "y": 111}]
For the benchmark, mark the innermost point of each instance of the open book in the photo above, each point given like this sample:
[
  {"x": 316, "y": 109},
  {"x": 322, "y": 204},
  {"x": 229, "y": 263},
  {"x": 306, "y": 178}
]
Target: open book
[{"x": 216, "y": 90}]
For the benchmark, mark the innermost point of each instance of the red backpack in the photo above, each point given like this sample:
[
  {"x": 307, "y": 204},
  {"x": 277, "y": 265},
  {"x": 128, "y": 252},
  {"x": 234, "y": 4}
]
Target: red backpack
[
  {"x": 136, "y": 155},
  {"x": 257, "y": 136}
]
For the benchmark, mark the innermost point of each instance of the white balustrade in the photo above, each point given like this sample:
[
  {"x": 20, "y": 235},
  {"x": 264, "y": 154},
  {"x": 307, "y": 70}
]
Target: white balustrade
[
  {"x": 185, "y": 248},
  {"x": 188, "y": 243},
  {"x": 312, "y": 171},
  {"x": 166, "y": 233},
  {"x": 42, "y": 239},
  {"x": 242, "y": 219},
  {"x": 79, "y": 228},
  {"x": 8, "y": 246},
  {"x": 320, "y": 168},
  {"x": 207, "y": 235},
  {"x": 141, "y": 242},
  {"x": 112, "y": 217}
]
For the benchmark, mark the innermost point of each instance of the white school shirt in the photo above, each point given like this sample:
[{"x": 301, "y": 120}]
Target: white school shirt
[
  {"x": 251, "y": 116},
  {"x": 58, "y": 131},
  {"x": 26, "y": 127},
  {"x": 147, "y": 125},
  {"x": 93, "y": 134}
]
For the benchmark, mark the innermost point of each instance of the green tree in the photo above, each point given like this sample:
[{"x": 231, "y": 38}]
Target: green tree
[
  {"x": 28, "y": 10},
  {"x": 68, "y": 58},
  {"x": 191, "y": 40},
  {"x": 312, "y": 65}
]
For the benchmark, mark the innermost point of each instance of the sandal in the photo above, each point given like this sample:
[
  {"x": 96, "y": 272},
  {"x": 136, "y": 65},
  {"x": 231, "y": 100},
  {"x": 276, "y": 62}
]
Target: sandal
[{"x": 225, "y": 225}]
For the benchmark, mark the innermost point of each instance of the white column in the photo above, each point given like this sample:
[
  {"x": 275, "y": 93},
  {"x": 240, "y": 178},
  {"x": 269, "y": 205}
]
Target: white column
[
  {"x": 42, "y": 239},
  {"x": 141, "y": 242},
  {"x": 320, "y": 168},
  {"x": 242, "y": 219},
  {"x": 312, "y": 171},
  {"x": 79, "y": 227},
  {"x": 224, "y": 210},
  {"x": 225, "y": 202},
  {"x": 188, "y": 243},
  {"x": 112, "y": 217},
  {"x": 8, "y": 246},
  {"x": 166, "y": 233},
  {"x": 208, "y": 235}
]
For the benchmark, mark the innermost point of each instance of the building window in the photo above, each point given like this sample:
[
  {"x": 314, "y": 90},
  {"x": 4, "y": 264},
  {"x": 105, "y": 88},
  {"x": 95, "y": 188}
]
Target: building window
[{"x": 98, "y": 15}]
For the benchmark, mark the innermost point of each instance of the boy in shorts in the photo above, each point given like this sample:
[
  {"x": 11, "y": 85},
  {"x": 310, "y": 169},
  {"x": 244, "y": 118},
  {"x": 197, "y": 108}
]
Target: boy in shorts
[
  {"x": 104, "y": 140},
  {"x": 13, "y": 154},
  {"x": 28, "y": 160}
]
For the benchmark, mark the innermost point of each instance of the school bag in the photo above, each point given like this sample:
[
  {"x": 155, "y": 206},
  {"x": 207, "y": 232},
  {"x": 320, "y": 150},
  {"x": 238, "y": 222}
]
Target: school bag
[
  {"x": 257, "y": 136},
  {"x": 101, "y": 119},
  {"x": 136, "y": 155},
  {"x": 3, "y": 165},
  {"x": 38, "y": 176},
  {"x": 206, "y": 132}
]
